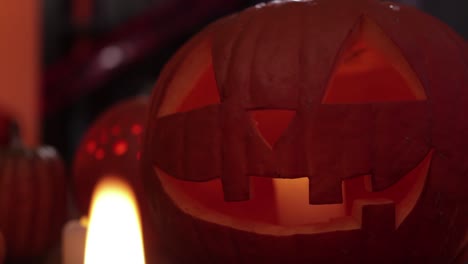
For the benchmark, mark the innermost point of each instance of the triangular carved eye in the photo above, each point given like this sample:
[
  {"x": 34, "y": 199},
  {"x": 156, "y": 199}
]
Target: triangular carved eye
[
  {"x": 192, "y": 84},
  {"x": 371, "y": 69},
  {"x": 204, "y": 92},
  {"x": 271, "y": 124}
]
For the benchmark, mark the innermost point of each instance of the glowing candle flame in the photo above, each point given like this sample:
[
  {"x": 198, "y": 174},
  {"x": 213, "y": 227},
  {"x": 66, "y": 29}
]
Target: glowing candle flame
[{"x": 114, "y": 230}]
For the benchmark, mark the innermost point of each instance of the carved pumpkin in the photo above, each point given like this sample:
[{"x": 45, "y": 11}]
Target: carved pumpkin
[
  {"x": 32, "y": 200},
  {"x": 312, "y": 132},
  {"x": 112, "y": 145}
]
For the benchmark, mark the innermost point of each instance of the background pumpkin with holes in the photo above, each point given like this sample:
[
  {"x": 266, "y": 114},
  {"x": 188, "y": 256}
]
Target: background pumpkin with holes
[
  {"x": 314, "y": 131},
  {"x": 111, "y": 146}
]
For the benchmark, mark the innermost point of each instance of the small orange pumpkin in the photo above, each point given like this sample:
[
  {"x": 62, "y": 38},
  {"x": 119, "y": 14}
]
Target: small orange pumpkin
[{"x": 32, "y": 200}]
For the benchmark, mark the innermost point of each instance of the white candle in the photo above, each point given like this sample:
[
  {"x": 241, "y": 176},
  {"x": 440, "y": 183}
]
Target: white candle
[{"x": 73, "y": 241}]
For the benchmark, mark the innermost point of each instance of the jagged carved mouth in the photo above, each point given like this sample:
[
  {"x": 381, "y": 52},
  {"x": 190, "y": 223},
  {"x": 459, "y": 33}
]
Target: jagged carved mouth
[
  {"x": 370, "y": 70},
  {"x": 281, "y": 206}
]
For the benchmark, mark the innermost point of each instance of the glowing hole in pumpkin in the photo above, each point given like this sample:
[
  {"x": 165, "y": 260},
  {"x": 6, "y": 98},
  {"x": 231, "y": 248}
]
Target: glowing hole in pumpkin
[
  {"x": 196, "y": 87},
  {"x": 136, "y": 129},
  {"x": 120, "y": 147},
  {"x": 271, "y": 124},
  {"x": 372, "y": 69},
  {"x": 285, "y": 202}
]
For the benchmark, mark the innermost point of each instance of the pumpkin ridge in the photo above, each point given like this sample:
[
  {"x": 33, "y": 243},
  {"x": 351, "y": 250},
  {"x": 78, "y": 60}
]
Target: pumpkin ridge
[
  {"x": 31, "y": 222},
  {"x": 198, "y": 233},
  {"x": 301, "y": 60},
  {"x": 222, "y": 70},
  {"x": 184, "y": 147},
  {"x": 41, "y": 218},
  {"x": 269, "y": 68},
  {"x": 24, "y": 168},
  {"x": 26, "y": 235},
  {"x": 251, "y": 33},
  {"x": 223, "y": 47},
  {"x": 60, "y": 195}
]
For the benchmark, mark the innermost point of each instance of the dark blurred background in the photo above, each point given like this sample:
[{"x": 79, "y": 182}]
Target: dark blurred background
[{"x": 97, "y": 52}]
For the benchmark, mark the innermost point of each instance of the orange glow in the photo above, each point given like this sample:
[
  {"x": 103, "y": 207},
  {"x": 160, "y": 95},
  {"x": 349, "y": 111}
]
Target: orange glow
[
  {"x": 372, "y": 69},
  {"x": 114, "y": 230},
  {"x": 208, "y": 198},
  {"x": 405, "y": 193},
  {"x": 271, "y": 124},
  {"x": 203, "y": 94},
  {"x": 120, "y": 147},
  {"x": 285, "y": 202},
  {"x": 292, "y": 196},
  {"x": 195, "y": 83}
]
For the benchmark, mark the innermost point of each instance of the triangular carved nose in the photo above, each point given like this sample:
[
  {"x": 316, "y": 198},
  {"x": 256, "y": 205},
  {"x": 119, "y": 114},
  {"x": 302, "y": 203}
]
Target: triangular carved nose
[{"x": 271, "y": 124}]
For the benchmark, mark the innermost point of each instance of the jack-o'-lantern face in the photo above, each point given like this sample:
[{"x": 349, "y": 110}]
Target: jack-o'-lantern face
[
  {"x": 287, "y": 156},
  {"x": 302, "y": 134}
]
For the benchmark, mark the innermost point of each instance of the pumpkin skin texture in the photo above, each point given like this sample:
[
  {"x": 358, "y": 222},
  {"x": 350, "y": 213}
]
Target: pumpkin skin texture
[
  {"x": 111, "y": 146},
  {"x": 32, "y": 200},
  {"x": 2, "y": 248},
  {"x": 371, "y": 117}
]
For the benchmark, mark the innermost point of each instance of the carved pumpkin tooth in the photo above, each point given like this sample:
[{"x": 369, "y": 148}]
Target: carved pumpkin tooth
[
  {"x": 376, "y": 216},
  {"x": 354, "y": 188},
  {"x": 236, "y": 187},
  {"x": 360, "y": 184},
  {"x": 324, "y": 189}
]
